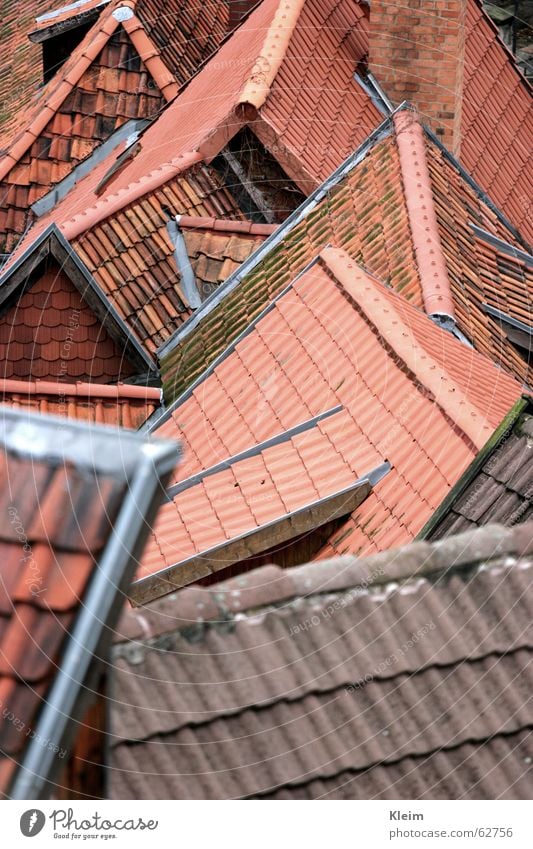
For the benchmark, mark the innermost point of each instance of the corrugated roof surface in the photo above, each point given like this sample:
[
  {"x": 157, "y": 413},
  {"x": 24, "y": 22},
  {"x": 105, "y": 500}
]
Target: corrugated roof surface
[
  {"x": 124, "y": 405},
  {"x": 497, "y": 120},
  {"x": 412, "y": 664},
  {"x": 499, "y": 485},
  {"x": 52, "y": 333},
  {"x": 412, "y": 395},
  {"x": 365, "y": 212}
]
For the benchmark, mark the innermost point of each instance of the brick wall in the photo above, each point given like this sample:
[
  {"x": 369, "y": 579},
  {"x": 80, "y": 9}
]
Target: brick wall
[{"x": 416, "y": 53}]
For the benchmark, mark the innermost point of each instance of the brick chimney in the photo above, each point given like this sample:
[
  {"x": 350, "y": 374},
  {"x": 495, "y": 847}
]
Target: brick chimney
[{"x": 416, "y": 53}]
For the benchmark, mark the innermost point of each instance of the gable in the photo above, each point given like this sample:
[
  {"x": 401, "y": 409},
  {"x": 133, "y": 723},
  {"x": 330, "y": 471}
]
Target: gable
[
  {"x": 52, "y": 333},
  {"x": 115, "y": 88}
]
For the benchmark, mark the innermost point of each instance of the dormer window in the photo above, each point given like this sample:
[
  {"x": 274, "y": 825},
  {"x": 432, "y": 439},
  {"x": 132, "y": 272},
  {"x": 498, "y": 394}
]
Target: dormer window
[{"x": 61, "y": 30}]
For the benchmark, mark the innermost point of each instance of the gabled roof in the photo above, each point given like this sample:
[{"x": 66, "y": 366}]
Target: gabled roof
[
  {"x": 114, "y": 74},
  {"x": 403, "y": 209},
  {"x": 278, "y": 51},
  {"x": 27, "y": 268},
  {"x": 62, "y": 576},
  {"x": 497, "y": 120},
  {"x": 338, "y": 376},
  {"x": 497, "y": 486},
  {"x": 123, "y": 405},
  {"x": 131, "y": 255},
  {"x": 406, "y": 675}
]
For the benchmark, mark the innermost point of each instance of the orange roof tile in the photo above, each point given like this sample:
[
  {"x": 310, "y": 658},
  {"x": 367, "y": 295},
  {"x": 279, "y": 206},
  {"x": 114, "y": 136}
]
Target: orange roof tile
[
  {"x": 372, "y": 208},
  {"x": 312, "y": 138},
  {"x": 410, "y": 394},
  {"x": 124, "y": 405}
]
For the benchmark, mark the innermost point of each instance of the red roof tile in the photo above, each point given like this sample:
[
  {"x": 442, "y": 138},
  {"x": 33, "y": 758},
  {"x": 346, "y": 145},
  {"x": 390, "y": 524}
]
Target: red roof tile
[
  {"x": 125, "y": 405},
  {"x": 497, "y": 121},
  {"x": 52, "y": 333},
  {"x": 411, "y": 393}
]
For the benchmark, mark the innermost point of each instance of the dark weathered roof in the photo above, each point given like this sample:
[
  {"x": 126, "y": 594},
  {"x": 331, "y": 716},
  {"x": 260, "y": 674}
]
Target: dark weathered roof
[
  {"x": 497, "y": 486},
  {"x": 64, "y": 487},
  {"x": 404, "y": 675}
]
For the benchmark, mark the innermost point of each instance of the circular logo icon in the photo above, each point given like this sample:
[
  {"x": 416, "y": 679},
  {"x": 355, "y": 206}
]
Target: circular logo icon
[{"x": 32, "y": 822}]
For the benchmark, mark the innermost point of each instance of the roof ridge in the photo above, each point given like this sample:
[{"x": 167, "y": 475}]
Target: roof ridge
[
  {"x": 232, "y": 225},
  {"x": 151, "y": 56},
  {"x": 257, "y": 86},
  {"x": 96, "y": 39},
  {"x": 416, "y": 179},
  {"x": 79, "y": 389},
  {"x": 273, "y": 585},
  {"x": 393, "y": 329}
]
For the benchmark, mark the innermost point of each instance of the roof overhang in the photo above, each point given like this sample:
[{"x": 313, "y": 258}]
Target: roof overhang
[{"x": 287, "y": 527}]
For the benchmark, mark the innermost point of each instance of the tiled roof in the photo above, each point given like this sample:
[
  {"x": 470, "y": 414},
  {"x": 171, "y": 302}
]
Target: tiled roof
[
  {"x": 373, "y": 208},
  {"x": 103, "y": 84},
  {"x": 263, "y": 87},
  {"x": 51, "y": 332},
  {"x": 21, "y": 71},
  {"x": 124, "y": 405},
  {"x": 131, "y": 254},
  {"x": 497, "y": 120},
  {"x": 497, "y": 486},
  {"x": 348, "y": 676},
  {"x": 409, "y": 393},
  {"x": 60, "y": 500},
  {"x": 186, "y": 34}
]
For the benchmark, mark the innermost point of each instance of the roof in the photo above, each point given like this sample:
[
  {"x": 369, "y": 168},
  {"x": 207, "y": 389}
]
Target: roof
[
  {"x": 400, "y": 676},
  {"x": 124, "y": 405},
  {"x": 55, "y": 292},
  {"x": 497, "y": 120},
  {"x": 327, "y": 34},
  {"x": 187, "y": 34},
  {"x": 61, "y": 500},
  {"x": 496, "y": 487},
  {"x": 403, "y": 208},
  {"x": 104, "y": 83},
  {"x": 338, "y": 376}
]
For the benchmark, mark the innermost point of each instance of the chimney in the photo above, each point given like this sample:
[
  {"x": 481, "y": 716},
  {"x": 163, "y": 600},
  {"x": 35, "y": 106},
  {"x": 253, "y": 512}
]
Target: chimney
[
  {"x": 416, "y": 53},
  {"x": 237, "y": 11}
]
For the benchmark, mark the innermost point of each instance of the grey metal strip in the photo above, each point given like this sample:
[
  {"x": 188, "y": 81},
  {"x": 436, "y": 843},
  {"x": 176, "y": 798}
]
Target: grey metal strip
[
  {"x": 482, "y": 195},
  {"x": 61, "y": 189},
  {"x": 507, "y": 319},
  {"x": 183, "y": 264},
  {"x": 251, "y": 452},
  {"x": 501, "y": 246}
]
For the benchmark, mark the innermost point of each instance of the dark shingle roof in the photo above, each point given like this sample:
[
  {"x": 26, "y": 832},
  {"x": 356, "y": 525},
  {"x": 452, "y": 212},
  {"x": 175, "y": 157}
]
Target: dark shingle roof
[
  {"x": 497, "y": 486},
  {"x": 398, "y": 676}
]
